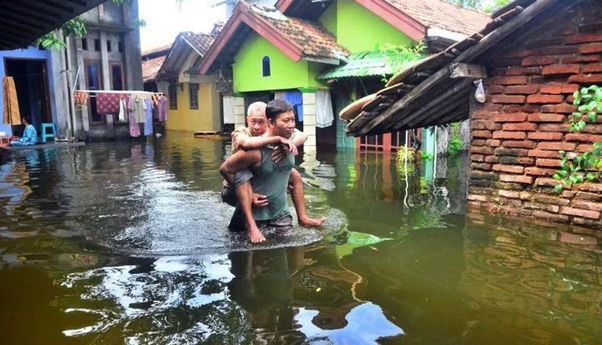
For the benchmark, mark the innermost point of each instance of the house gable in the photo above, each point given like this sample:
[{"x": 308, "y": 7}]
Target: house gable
[{"x": 285, "y": 73}]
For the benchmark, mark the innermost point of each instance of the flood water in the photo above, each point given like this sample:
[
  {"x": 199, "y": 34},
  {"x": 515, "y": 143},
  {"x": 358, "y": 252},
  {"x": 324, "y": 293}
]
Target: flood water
[{"x": 125, "y": 243}]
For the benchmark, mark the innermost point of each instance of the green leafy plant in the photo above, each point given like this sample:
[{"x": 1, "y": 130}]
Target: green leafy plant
[
  {"x": 403, "y": 154},
  {"x": 586, "y": 167},
  {"x": 455, "y": 144},
  {"x": 426, "y": 156},
  {"x": 402, "y": 57}
]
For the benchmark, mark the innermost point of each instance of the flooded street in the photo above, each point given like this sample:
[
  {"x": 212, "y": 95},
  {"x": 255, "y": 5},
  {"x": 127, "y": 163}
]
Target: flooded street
[{"x": 126, "y": 242}]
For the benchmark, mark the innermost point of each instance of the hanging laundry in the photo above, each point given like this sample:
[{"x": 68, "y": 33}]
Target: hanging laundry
[
  {"x": 295, "y": 98},
  {"x": 107, "y": 103},
  {"x": 148, "y": 111},
  {"x": 136, "y": 108},
  {"x": 123, "y": 106},
  {"x": 10, "y": 107},
  {"x": 163, "y": 106},
  {"x": 324, "y": 112},
  {"x": 134, "y": 128},
  {"x": 80, "y": 98}
]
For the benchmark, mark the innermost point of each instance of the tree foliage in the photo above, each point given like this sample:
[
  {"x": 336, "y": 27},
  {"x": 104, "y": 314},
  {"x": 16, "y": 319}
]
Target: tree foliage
[{"x": 483, "y": 5}]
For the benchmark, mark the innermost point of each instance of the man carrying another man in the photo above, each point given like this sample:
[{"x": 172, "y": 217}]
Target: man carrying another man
[{"x": 267, "y": 169}]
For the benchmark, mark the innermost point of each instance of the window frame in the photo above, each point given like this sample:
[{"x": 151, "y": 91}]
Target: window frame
[
  {"x": 172, "y": 94},
  {"x": 193, "y": 101}
]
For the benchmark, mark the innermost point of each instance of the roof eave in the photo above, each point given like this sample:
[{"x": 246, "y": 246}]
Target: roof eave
[{"x": 401, "y": 21}]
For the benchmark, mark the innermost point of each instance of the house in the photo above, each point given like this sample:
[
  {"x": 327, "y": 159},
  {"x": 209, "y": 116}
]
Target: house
[
  {"x": 152, "y": 60},
  {"x": 194, "y": 101},
  {"x": 531, "y": 61},
  {"x": 299, "y": 51}
]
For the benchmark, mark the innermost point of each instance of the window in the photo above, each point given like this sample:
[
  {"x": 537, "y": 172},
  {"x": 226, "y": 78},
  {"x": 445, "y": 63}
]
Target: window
[
  {"x": 109, "y": 46},
  {"x": 193, "y": 94},
  {"x": 117, "y": 80},
  {"x": 265, "y": 66},
  {"x": 93, "y": 83},
  {"x": 97, "y": 45},
  {"x": 84, "y": 43},
  {"x": 173, "y": 96}
]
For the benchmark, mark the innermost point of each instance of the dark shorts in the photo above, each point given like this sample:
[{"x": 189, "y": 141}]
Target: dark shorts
[
  {"x": 229, "y": 193},
  {"x": 280, "y": 225}
]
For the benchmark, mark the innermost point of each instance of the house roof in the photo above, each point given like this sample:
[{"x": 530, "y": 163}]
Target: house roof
[
  {"x": 296, "y": 38},
  {"x": 366, "y": 64},
  {"x": 412, "y": 17},
  {"x": 184, "y": 44},
  {"x": 427, "y": 94},
  {"x": 23, "y": 21},
  {"x": 156, "y": 51},
  {"x": 151, "y": 67}
]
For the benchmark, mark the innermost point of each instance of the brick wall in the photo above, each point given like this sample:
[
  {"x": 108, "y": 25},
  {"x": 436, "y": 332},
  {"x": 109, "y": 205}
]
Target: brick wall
[{"x": 517, "y": 133}]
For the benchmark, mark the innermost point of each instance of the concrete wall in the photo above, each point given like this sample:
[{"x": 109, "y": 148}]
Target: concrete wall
[{"x": 518, "y": 133}]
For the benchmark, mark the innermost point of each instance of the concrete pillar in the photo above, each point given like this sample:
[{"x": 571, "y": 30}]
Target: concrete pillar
[
  {"x": 59, "y": 90},
  {"x": 80, "y": 83},
  {"x": 106, "y": 77},
  {"x": 239, "y": 111},
  {"x": 309, "y": 120},
  {"x": 131, "y": 51}
]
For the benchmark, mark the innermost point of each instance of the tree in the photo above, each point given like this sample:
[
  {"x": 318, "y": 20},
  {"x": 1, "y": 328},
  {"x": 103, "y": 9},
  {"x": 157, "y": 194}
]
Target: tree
[{"x": 483, "y": 5}]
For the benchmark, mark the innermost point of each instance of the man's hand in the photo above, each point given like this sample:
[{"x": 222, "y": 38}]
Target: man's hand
[
  {"x": 260, "y": 200},
  {"x": 285, "y": 147}
]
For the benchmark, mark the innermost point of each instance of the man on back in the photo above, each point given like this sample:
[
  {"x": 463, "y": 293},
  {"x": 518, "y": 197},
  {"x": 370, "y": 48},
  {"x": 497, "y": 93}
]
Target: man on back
[{"x": 269, "y": 178}]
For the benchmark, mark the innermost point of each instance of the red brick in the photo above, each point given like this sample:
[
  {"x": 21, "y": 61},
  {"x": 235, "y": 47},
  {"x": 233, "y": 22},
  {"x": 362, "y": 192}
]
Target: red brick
[
  {"x": 501, "y": 151},
  {"x": 516, "y": 178},
  {"x": 506, "y": 99},
  {"x": 587, "y": 205},
  {"x": 521, "y": 89},
  {"x": 552, "y": 200},
  {"x": 481, "y": 166},
  {"x": 493, "y": 142},
  {"x": 509, "y": 194},
  {"x": 560, "y": 69},
  {"x": 545, "y": 99},
  {"x": 550, "y": 163},
  {"x": 558, "y": 108},
  {"x": 474, "y": 197},
  {"x": 491, "y": 159},
  {"x": 478, "y": 142},
  {"x": 511, "y": 80},
  {"x": 590, "y": 128},
  {"x": 549, "y": 208},
  {"x": 516, "y": 160},
  {"x": 514, "y": 71},
  {"x": 495, "y": 89},
  {"x": 580, "y": 213},
  {"x": 588, "y": 138},
  {"x": 515, "y": 117},
  {"x": 590, "y": 48},
  {"x": 544, "y": 154},
  {"x": 581, "y": 58},
  {"x": 524, "y": 144},
  {"x": 546, "y": 118},
  {"x": 586, "y": 78},
  {"x": 582, "y": 38},
  {"x": 546, "y": 181},
  {"x": 509, "y": 135},
  {"x": 556, "y": 50},
  {"x": 556, "y": 146},
  {"x": 515, "y": 169},
  {"x": 535, "y": 171},
  {"x": 592, "y": 68},
  {"x": 570, "y": 88},
  {"x": 553, "y": 89},
  {"x": 550, "y": 216},
  {"x": 538, "y": 60},
  {"x": 545, "y": 136},
  {"x": 481, "y": 134},
  {"x": 524, "y": 126},
  {"x": 522, "y": 108},
  {"x": 481, "y": 150},
  {"x": 477, "y": 158},
  {"x": 480, "y": 124},
  {"x": 585, "y": 148},
  {"x": 590, "y": 187},
  {"x": 549, "y": 127}
]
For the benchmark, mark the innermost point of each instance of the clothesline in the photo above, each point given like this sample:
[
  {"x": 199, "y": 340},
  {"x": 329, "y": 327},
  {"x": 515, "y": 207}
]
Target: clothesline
[{"x": 122, "y": 91}]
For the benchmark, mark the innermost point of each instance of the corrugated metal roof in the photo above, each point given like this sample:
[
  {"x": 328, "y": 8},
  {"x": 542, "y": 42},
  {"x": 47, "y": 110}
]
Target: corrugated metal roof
[{"x": 366, "y": 64}]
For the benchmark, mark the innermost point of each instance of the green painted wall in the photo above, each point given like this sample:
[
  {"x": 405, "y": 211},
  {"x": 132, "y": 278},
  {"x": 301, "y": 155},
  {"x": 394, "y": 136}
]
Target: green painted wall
[
  {"x": 359, "y": 30},
  {"x": 285, "y": 73}
]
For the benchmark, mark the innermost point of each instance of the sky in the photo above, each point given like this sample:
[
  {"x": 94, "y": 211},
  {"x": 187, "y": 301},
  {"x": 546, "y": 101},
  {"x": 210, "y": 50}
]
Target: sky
[{"x": 165, "y": 19}]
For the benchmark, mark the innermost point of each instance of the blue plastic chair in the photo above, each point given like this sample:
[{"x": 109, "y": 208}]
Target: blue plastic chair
[{"x": 48, "y": 134}]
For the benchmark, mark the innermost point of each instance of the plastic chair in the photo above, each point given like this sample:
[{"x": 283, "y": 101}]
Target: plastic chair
[
  {"x": 3, "y": 138},
  {"x": 48, "y": 134}
]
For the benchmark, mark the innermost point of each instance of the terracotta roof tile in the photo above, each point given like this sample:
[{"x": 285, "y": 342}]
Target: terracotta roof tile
[
  {"x": 151, "y": 67},
  {"x": 313, "y": 39},
  {"x": 443, "y": 15},
  {"x": 200, "y": 42}
]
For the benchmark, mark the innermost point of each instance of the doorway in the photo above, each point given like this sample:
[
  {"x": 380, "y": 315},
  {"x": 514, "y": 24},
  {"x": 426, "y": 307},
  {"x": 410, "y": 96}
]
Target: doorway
[{"x": 31, "y": 83}]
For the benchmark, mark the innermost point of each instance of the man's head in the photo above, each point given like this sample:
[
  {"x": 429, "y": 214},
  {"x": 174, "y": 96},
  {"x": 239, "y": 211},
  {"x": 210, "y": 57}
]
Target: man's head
[
  {"x": 281, "y": 118},
  {"x": 26, "y": 120},
  {"x": 256, "y": 119}
]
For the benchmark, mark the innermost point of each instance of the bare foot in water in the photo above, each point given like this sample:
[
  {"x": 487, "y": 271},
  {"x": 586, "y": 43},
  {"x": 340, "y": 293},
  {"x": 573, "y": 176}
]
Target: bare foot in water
[
  {"x": 311, "y": 222},
  {"x": 255, "y": 235}
]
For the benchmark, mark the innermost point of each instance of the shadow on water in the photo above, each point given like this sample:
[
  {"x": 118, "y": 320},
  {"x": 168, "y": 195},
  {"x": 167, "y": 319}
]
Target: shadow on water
[{"x": 125, "y": 242}]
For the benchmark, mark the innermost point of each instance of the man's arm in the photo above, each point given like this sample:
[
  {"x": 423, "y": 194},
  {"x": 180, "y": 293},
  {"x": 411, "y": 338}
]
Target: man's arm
[
  {"x": 246, "y": 142},
  {"x": 298, "y": 138},
  {"x": 237, "y": 162}
]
